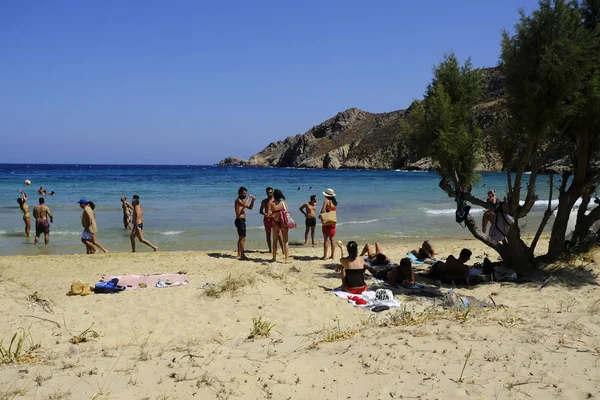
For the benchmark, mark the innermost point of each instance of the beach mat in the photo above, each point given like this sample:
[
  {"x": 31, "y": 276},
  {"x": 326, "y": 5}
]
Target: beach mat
[{"x": 154, "y": 280}]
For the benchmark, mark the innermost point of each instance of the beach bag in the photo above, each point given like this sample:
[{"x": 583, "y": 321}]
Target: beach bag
[
  {"x": 108, "y": 287},
  {"x": 328, "y": 218},
  {"x": 462, "y": 211},
  {"x": 286, "y": 218}
]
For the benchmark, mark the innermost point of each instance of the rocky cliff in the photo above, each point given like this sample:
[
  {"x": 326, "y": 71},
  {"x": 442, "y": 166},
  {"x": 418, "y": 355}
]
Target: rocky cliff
[{"x": 359, "y": 139}]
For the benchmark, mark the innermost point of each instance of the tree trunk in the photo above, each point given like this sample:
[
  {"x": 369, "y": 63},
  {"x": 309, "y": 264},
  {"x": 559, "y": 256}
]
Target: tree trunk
[
  {"x": 556, "y": 246},
  {"x": 516, "y": 254}
]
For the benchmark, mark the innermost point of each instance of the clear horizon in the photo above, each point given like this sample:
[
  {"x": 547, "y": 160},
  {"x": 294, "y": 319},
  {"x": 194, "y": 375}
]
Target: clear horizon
[{"x": 191, "y": 83}]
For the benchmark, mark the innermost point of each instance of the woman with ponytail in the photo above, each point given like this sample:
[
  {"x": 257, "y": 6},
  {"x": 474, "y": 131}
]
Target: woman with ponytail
[{"x": 352, "y": 269}]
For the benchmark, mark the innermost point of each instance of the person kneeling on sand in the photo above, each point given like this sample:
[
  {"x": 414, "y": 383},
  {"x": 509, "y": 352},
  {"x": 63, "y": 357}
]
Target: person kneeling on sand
[
  {"x": 395, "y": 274},
  {"x": 425, "y": 252},
  {"x": 352, "y": 269},
  {"x": 375, "y": 257},
  {"x": 454, "y": 269}
]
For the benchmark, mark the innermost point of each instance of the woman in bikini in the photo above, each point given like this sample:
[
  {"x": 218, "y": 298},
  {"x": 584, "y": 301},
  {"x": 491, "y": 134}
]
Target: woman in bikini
[
  {"x": 94, "y": 241},
  {"x": 488, "y": 214},
  {"x": 274, "y": 211},
  {"x": 352, "y": 269},
  {"x": 329, "y": 204},
  {"x": 425, "y": 252},
  {"x": 25, "y": 209}
]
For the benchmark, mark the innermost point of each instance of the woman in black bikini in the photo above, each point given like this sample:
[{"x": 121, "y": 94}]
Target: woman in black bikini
[{"x": 352, "y": 269}]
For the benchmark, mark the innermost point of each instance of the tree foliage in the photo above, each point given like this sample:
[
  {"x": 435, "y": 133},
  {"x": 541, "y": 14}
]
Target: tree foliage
[{"x": 445, "y": 127}]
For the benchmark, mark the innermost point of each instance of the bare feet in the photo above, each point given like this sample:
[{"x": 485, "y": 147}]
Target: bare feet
[
  {"x": 272, "y": 260},
  {"x": 331, "y": 258},
  {"x": 243, "y": 258},
  {"x": 323, "y": 258},
  {"x": 155, "y": 248}
]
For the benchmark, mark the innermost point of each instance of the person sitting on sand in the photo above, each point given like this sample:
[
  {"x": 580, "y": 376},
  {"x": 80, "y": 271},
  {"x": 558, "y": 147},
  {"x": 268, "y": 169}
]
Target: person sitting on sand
[
  {"x": 454, "y": 269},
  {"x": 402, "y": 274},
  {"x": 352, "y": 269},
  {"x": 375, "y": 257},
  {"x": 425, "y": 252}
]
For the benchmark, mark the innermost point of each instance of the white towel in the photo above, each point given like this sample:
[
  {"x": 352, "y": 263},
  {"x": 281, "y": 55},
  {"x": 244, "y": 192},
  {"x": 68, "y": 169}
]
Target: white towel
[{"x": 368, "y": 296}]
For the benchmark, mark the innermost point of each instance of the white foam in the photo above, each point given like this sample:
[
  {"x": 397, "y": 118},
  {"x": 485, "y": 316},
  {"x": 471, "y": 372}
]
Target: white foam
[
  {"x": 64, "y": 232},
  {"x": 169, "y": 233},
  {"x": 368, "y": 221},
  {"x": 449, "y": 211}
]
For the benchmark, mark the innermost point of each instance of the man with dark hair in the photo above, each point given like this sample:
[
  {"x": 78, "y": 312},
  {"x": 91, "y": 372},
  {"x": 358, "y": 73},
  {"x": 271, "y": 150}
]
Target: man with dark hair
[
  {"x": 41, "y": 213},
  {"x": 454, "y": 269},
  {"x": 138, "y": 225},
  {"x": 242, "y": 202},
  {"x": 402, "y": 274},
  {"x": 308, "y": 209}
]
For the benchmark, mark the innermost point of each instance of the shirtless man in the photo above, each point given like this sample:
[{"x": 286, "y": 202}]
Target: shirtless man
[
  {"x": 138, "y": 225},
  {"x": 454, "y": 269},
  {"x": 308, "y": 209},
  {"x": 267, "y": 219},
  {"x": 127, "y": 209},
  {"x": 41, "y": 213},
  {"x": 240, "y": 205},
  {"x": 402, "y": 274}
]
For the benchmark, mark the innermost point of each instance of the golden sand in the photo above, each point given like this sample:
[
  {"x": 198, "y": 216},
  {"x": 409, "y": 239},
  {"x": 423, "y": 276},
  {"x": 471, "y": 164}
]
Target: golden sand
[{"x": 250, "y": 330}]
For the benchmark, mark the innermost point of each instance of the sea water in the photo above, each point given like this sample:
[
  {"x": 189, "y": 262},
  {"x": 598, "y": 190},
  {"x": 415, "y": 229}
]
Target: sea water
[{"x": 191, "y": 207}]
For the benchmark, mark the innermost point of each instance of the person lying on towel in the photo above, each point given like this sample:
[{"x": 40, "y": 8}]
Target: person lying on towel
[
  {"x": 374, "y": 257},
  {"x": 352, "y": 269},
  {"x": 425, "y": 252},
  {"x": 454, "y": 269},
  {"x": 395, "y": 274}
]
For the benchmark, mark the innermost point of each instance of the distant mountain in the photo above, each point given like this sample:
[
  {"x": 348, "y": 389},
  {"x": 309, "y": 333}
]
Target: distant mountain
[{"x": 359, "y": 139}]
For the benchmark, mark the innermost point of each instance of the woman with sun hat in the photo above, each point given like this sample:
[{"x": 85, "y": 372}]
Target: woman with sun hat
[{"x": 330, "y": 204}]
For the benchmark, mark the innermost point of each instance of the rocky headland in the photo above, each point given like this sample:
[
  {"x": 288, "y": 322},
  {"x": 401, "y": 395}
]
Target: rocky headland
[{"x": 362, "y": 140}]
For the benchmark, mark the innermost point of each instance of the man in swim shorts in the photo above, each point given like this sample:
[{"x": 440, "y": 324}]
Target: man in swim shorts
[
  {"x": 42, "y": 213},
  {"x": 138, "y": 225},
  {"x": 308, "y": 209},
  {"x": 242, "y": 202},
  {"x": 88, "y": 222}
]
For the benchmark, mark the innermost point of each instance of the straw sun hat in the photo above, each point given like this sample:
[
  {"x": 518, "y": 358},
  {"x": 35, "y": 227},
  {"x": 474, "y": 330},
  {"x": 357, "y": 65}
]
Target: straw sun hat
[
  {"x": 329, "y": 193},
  {"x": 79, "y": 288}
]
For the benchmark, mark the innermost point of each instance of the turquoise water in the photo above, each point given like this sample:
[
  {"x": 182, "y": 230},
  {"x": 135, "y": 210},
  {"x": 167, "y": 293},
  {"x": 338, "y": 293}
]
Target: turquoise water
[{"x": 191, "y": 207}]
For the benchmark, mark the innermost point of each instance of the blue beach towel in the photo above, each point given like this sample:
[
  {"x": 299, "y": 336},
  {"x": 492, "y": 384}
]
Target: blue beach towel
[{"x": 415, "y": 260}]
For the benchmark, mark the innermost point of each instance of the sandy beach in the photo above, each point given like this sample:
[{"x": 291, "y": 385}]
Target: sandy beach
[{"x": 195, "y": 341}]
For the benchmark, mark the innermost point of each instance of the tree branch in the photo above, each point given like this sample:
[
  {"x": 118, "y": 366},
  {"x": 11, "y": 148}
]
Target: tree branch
[
  {"x": 547, "y": 214},
  {"x": 482, "y": 237}
]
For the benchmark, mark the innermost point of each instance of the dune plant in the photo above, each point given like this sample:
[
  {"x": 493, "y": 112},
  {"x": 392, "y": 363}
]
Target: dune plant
[{"x": 17, "y": 350}]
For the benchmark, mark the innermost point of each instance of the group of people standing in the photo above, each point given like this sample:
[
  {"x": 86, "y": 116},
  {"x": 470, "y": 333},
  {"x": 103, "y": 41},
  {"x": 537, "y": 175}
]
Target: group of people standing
[
  {"x": 133, "y": 220},
  {"x": 277, "y": 232}
]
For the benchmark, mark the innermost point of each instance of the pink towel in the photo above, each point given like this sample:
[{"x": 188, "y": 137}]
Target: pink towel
[{"x": 133, "y": 281}]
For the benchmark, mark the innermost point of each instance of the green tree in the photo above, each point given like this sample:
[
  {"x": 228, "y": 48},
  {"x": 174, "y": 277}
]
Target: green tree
[{"x": 550, "y": 65}]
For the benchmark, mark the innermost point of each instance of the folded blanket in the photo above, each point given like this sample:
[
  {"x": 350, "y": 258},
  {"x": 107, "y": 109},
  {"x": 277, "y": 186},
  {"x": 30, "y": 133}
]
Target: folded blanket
[
  {"x": 368, "y": 296},
  {"x": 157, "y": 280}
]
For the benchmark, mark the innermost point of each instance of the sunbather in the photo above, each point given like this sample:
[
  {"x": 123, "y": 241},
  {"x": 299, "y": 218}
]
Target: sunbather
[
  {"x": 375, "y": 257},
  {"x": 352, "y": 269},
  {"x": 425, "y": 252},
  {"x": 454, "y": 269},
  {"x": 395, "y": 274}
]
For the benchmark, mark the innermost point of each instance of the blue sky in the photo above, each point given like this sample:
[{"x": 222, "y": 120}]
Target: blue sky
[{"x": 192, "y": 82}]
